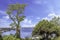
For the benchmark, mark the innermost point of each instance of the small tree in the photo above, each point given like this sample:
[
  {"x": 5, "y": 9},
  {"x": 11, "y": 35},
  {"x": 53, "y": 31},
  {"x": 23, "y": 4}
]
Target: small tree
[{"x": 15, "y": 12}]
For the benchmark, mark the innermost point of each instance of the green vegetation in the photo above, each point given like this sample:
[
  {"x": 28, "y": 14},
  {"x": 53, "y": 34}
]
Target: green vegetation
[
  {"x": 10, "y": 37},
  {"x": 48, "y": 30},
  {"x": 56, "y": 21},
  {"x": 15, "y": 12}
]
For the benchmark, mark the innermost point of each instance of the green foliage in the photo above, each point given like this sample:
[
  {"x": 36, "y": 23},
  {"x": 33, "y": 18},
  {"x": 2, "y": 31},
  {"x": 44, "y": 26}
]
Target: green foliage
[
  {"x": 57, "y": 38},
  {"x": 56, "y": 21},
  {"x": 10, "y": 38},
  {"x": 44, "y": 25},
  {"x": 15, "y": 12},
  {"x": 27, "y": 38}
]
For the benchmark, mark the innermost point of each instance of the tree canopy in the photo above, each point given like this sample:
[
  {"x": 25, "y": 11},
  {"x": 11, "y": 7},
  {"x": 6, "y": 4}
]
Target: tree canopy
[{"x": 46, "y": 27}]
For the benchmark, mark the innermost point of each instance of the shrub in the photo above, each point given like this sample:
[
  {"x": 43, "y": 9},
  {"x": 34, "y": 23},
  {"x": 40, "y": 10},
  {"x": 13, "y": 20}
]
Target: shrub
[{"x": 10, "y": 37}]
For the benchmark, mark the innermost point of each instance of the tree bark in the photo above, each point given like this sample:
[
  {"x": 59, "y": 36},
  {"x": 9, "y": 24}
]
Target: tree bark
[{"x": 18, "y": 32}]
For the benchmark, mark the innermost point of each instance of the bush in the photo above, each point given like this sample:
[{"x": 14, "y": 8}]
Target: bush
[
  {"x": 10, "y": 37},
  {"x": 27, "y": 38}
]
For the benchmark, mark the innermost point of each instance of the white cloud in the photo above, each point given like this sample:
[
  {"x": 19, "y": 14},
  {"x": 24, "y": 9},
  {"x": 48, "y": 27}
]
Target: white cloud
[
  {"x": 27, "y": 21},
  {"x": 2, "y": 12},
  {"x": 4, "y": 20},
  {"x": 50, "y": 16},
  {"x": 45, "y": 18},
  {"x": 53, "y": 14},
  {"x": 4, "y": 23},
  {"x": 30, "y": 21},
  {"x": 6, "y": 17},
  {"x": 30, "y": 25}
]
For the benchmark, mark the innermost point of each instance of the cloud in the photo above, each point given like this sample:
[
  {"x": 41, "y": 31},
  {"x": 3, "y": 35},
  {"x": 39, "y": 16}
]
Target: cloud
[
  {"x": 6, "y": 17},
  {"x": 2, "y": 12},
  {"x": 53, "y": 14},
  {"x": 50, "y": 16},
  {"x": 4, "y": 23},
  {"x": 27, "y": 21},
  {"x": 45, "y": 18},
  {"x": 30, "y": 25}
]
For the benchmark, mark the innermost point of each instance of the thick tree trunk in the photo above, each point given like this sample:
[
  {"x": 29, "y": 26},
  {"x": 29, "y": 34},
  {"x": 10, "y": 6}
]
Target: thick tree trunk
[{"x": 18, "y": 32}]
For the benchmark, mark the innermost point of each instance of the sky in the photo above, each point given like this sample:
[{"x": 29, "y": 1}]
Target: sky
[{"x": 35, "y": 11}]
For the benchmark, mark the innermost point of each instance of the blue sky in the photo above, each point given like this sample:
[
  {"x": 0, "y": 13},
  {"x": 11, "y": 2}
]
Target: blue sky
[{"x": 35, "y": 11}]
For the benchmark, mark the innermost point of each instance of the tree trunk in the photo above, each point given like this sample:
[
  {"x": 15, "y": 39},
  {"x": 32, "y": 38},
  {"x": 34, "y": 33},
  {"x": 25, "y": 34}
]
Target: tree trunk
[{"x": 18, "y": 32}]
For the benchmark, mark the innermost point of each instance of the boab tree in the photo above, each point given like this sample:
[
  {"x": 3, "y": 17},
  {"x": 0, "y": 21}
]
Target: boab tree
[{"x": 15, "y": 12}]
